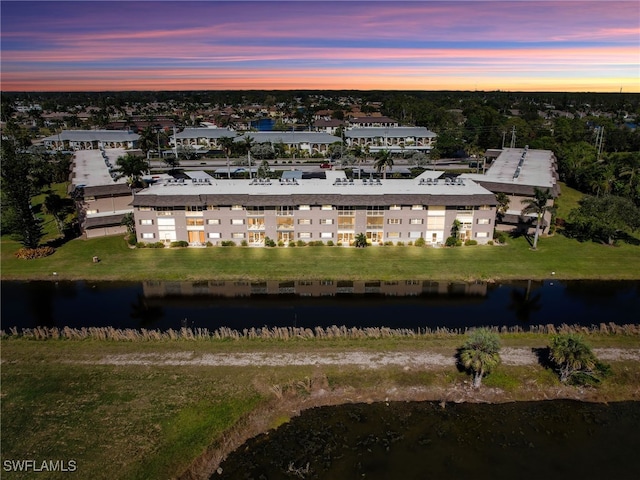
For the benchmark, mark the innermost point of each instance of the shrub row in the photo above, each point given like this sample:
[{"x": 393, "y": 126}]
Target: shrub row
[{"x": 33, "y": 253}]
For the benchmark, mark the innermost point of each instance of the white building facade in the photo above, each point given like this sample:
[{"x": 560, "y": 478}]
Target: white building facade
[{"x": 248, "y": 212}]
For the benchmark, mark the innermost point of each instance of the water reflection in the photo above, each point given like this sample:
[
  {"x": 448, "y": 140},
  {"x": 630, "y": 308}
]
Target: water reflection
[
  {"x": 303, "y": 303},
  {"x": 524, "y": 302},
  {"x": 313, "y": 288}
]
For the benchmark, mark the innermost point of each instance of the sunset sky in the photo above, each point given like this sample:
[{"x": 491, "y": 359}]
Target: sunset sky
[{"x": 364, "y": 45}]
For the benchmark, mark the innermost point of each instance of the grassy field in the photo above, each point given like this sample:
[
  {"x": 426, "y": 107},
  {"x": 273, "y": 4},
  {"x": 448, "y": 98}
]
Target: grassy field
[
  {"x": 568, "y": 258},
  {"x": 152, "y": 421}
]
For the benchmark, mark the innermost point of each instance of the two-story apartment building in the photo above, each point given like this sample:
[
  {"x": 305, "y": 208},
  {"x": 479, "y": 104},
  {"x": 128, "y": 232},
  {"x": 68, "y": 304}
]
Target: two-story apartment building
[
  {"x": 517, "y": 172},
  {"x": 393, "y": 139},
  {"x": 309, "y": 143},
  {"x": 91, "y": 140},
  {"x": 333, "y": 209}
]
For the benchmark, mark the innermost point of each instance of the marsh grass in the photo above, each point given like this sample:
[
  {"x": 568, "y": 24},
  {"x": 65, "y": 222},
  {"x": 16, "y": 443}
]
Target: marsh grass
[{"x": 297, "y": 333}]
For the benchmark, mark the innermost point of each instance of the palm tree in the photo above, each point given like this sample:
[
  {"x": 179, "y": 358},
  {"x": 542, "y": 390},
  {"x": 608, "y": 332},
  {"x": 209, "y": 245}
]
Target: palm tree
[
  {"x": 503, "y": 204},
  {"x": 227, "y": 144},
  {"x": 538, "y": 205},
  {"x": 133, "y": 168},
  {"x": 248, "y": 143},
  {"x": 383, "y": 161},
  {"x": 360, "y": 241},
  {"x": 480, "y": 354},
  {"x": 571, "y": 355},
  {"x": 54, "y": 206}
]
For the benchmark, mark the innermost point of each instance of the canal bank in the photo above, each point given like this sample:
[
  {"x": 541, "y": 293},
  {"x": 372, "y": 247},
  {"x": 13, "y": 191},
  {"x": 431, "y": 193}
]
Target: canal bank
[{"x": 156, "y": 407}]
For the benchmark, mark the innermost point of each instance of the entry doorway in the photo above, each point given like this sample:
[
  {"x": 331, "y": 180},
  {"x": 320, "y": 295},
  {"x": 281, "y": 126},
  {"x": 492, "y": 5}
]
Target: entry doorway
[{"x": 196, "y": 236}]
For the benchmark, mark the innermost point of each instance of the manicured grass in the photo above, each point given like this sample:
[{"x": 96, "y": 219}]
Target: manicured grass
[
  {"x": 568, "y": 258},
  {"x": 568, "y": 200}
]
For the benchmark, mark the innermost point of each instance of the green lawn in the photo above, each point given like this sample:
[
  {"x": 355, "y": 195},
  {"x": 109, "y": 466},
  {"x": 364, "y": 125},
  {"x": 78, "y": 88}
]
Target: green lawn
[
  {"x": 568, "y": 258},
  {"x": 567, "y": 201}
]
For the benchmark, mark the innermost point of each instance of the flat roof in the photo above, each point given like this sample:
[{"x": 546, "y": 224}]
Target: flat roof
[
  {"x": 520, "y": 168},
  {"x": 317, "y": 192},
  {"x": 90, "y": 168}
]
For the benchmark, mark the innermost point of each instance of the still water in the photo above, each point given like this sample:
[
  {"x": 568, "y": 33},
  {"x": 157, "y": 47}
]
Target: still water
[
  {"x": 406, "y": 304},
  {"x": 421, "y": 440}
]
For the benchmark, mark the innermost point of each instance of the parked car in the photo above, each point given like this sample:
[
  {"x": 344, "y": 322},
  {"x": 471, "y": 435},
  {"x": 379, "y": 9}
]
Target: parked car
[{"x": 325, "y": 165}]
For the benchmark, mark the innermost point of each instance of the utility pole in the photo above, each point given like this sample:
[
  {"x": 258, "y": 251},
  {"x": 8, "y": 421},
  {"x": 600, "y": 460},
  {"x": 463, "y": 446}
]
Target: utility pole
[
  {"x": 599, "y": 141},
  {"x": 513, "y": 137}
]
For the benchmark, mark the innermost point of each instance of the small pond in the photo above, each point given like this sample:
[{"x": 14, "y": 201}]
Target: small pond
[{"x": 422, "y": 440}]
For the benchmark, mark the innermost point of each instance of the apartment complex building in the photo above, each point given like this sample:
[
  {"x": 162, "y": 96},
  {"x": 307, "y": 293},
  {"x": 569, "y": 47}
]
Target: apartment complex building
[
  {"x": 392, "y": 139},
  {"x": 91, "y": 140},
  {"x": 334, "y": 209},
  {"x": 311, "y": 143},
  {"x": 517, "y": 172}
]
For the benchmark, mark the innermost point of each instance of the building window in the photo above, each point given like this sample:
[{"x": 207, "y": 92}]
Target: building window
[
  {"x": 255, "y": 210},
  {"x": 484, "y": 221},
  {"x": 237, "y": 207},
  {"x": 304, "y": 235},
  {"x": 327, "y": 207},
  {"x": 394, "y": 221},
  {"x": 146, "y": 222},
  {"x": 416, "y": 221},
  {"x": 214, "y": 234},
  {"x": 148, "y": 235},
  {"x": 346, "y": 211},
  {"x": 415, "y": 234},
  {"x": 213, "y": 221},
  {"x": 195, "y": 222},
  {"x": 482, "y": 234},
  {"x": 92, "y": 212},
  {"x": 284, "y": 211},
  {"x": 144, "y": 209},
  {"x": 304, "y": 221},
  {"x": 213, "y": 207},
  {"x": 326, "y": 221},
  {"x": 237, "y": 221},
  {"x": 393, "y": 235},
  {"x": 304, "y": 207},
  {"x": 164, "y": 211},
  {"x": 395, "y": 207},
  {"x": 326, "y": 235},
  {"x": 375, "y": 211},
  {"x": 485, "y": 207},
  {"x": 417, "y": 207},
  {"x": 195, "y": 208},
  {"x": 237, "y": 235}
]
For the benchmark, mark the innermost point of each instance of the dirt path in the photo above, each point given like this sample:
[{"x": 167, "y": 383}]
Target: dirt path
[{"x": 419, "y": 359}]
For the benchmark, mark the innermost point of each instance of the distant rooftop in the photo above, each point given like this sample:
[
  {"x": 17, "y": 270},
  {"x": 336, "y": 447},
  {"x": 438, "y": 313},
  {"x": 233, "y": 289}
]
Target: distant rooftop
[
  {"x": 520, "y": 170},
  {"x": 91, "y": 167},
  {"x": 94, "y": 135},
  {"x": 390, "y": 132}
]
